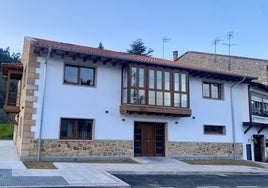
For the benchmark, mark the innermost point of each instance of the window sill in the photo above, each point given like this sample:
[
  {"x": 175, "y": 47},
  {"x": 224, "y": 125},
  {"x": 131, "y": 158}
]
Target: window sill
[{"x": 155, "y": 110}]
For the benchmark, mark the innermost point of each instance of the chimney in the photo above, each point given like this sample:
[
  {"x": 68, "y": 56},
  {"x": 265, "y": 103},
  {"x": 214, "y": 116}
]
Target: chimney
[{"x": 175, "y": 55}]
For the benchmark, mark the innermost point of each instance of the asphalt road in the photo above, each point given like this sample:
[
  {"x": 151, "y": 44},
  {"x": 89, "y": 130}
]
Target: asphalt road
[{"x": 196, "y": 181}]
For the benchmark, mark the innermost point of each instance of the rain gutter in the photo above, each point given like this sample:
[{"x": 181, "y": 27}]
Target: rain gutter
[
  {"x": 233, "y": 117},
  {"x": 42, "y": 105}
]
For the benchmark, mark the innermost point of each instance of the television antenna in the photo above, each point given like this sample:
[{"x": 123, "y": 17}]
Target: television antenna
[
  {"x": 230, "y": 35},
  {"x": 215, "y": 42},
  {"x": 165, "y": 40}
]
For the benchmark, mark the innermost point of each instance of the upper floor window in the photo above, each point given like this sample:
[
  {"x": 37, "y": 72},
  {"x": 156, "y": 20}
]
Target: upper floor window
[
  {"x": 259, "y": 106},
  {"x": 76, "y": 129},
  {"x": 155, "y": 86},
  {"x": 79, "y": 75},
  {"x": 212, "y": 90}
]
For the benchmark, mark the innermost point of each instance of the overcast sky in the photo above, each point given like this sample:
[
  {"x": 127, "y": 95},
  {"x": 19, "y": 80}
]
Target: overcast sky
[{"x": 191, "y": 25}]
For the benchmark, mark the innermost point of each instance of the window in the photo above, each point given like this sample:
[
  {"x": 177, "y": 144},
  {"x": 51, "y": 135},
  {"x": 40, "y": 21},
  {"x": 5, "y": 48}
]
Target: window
[
  {"x": 155, "y": 86},
  {"x": 80, "y": 129},
  {"x": 259, "y": 106},
  {"x": 137, "y": 87},
  {"x": 214, "y": 129},
  {"x": 79, "y": 75},
  {"x": 212, "y": 90}
]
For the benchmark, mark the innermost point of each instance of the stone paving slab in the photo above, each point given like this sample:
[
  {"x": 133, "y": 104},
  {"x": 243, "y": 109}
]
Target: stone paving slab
[
  {"x": 7, "y": 180},
  {"x": 8, "y": 151},
  {"x": 165, "y": 166}
]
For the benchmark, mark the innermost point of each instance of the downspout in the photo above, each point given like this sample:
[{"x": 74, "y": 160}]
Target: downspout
[
  {"x": 42, "y": 104},
  {"x": 233, "y": 116}
]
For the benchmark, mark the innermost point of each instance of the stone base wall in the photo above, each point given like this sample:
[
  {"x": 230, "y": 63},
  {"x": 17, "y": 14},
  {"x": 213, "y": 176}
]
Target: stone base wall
[
  {"x": 71, "y": 149},
  {"x": 204, "y": 150},
  {"x": 53, "y": 149}
]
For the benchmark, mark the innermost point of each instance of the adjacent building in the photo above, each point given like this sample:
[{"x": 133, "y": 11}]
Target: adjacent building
[
  {"x": 255, "y": 130},
  {"x": 77, "y": 102}
]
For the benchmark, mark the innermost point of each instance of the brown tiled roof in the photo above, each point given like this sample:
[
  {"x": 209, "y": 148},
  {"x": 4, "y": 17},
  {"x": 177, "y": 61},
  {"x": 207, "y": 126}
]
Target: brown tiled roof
[
  {"x": 11, "y": 66},
  {"x": 42, "y": 43}
]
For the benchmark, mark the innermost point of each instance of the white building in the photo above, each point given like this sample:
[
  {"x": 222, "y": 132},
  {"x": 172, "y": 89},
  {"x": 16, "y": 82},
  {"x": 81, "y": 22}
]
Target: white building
[{"x": 81, "y": 102}]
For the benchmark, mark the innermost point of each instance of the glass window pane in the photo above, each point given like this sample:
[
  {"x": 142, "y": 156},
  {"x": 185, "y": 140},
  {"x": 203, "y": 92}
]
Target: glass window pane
[
  {"x": 159, "y": 98},
  {"x": 167, "y": 99},
  {"x": 183, "y": 82},
  {"x": 183, "y": 100},
  {"x": 133, "y": 76},
  {"x": 84, "y": 129},
  {"x": 124, "y": 95},
  {"x": 86, "y": 76},
  {"x": 159, "y": 79},
  {"x": 67, "y": 128},
  {"x": 124, "y": 77},
  {"x": 265, "y": 109},
  {"x": 177, "y": 100},
  {"x": 71, "y": 74},
  {"x": 151, "y": 97},
  {"x": 141, "y": 77},
  {"x": 205, "y": 90},
  {"x": 176, "y": 82},
  {"x": 141, "y": 99},
  {"x": 133, "y": 96},
  {"x": 167, "y": 81},
  {"x": 151, "y": 79},
  {"x": 215, "y": 91}
]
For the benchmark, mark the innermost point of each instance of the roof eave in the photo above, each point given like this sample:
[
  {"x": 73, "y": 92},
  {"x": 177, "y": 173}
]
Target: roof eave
[{"x": 247, "y": 80}]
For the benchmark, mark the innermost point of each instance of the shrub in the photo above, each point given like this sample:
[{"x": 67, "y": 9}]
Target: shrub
[{"x": 6, "y": 131}]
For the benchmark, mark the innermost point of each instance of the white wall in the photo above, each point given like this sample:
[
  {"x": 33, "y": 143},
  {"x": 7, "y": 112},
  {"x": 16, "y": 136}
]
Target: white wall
[{"x": 62, "y": 100}]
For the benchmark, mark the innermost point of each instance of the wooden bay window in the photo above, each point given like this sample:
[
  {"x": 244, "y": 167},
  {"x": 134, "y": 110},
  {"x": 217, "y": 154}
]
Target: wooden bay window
[{"x": 154, "y": 87}]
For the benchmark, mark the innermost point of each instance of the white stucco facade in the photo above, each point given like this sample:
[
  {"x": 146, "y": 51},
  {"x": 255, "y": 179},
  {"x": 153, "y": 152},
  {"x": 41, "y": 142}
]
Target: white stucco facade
[{"x": 102, "y": 103}]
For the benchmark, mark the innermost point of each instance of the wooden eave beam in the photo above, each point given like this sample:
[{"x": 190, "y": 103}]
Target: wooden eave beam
[
  {"x": 95, "y": 60},
  {"x": 247, "y": 129},
  {"x": 106, "y": 60},
  {"x": 260, "y": 130}
]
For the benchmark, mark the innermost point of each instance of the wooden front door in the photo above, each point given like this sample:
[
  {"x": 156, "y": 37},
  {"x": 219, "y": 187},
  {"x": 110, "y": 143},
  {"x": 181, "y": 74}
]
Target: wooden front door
[
  {"x": 259, "y": 147},
  {"x": 149, "y": 139}
]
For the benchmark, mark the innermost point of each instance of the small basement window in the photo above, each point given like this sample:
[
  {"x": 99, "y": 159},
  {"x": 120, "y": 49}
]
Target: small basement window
[{"x": 214, "y": 129}]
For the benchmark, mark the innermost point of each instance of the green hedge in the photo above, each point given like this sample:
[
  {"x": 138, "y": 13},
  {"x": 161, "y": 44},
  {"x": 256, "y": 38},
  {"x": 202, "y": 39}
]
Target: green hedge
[{"x": 6, "y": 131}]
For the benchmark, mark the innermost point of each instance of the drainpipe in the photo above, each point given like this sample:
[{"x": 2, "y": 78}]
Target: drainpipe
[
  {"x": 42, "y": 105},
  {"x": 233, "y": 116}
]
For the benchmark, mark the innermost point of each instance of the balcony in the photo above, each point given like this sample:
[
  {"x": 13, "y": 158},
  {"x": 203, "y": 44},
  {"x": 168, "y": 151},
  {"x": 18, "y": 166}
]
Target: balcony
[
  {"x": 12, "y": 102},
  {"x": 13, "y": 72}
]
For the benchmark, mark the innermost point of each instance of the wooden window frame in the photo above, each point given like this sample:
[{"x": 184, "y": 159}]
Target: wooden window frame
[
  {"x": 137, "y": 87},
  {"x": 223, "y": 132},
  {"x": 155, "y": 89},
  {"x": 221, "y": 92},
  {"x": 78, "y": 75},
  {"x": 76, "y": 129}
]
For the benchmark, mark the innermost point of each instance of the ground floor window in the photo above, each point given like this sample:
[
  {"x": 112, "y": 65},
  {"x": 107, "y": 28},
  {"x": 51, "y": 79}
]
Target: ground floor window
[
  {"x": 214, "y": 129},
  {"x": 76, "y": 128}
]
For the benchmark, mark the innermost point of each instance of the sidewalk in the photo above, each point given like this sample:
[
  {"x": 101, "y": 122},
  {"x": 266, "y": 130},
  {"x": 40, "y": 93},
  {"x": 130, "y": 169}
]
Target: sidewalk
[{"x": 14, "y": 174}]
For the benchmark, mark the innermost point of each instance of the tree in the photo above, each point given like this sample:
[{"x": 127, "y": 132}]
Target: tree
[
  {"x": 138, "y": 47},
  {"x": 101, "y": 45},
  {"x": 5, "y": 57}
]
